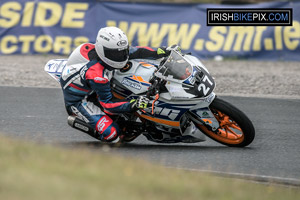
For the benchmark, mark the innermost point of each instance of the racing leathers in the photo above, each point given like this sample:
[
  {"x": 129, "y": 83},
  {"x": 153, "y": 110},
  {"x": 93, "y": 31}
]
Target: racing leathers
[{"x": 85, "y": 73}]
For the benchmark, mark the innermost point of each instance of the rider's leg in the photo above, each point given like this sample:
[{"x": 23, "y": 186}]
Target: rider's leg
[
  {"x": 107, "y": 128},
  {"x": 91, "y": 114}
]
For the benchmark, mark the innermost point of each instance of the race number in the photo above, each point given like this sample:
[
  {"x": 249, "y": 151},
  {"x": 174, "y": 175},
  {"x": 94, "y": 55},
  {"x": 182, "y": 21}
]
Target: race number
[{"x": 205, "y": 86}]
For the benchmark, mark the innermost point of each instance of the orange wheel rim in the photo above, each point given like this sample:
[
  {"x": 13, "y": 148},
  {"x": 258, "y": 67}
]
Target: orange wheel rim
[{"x": 229, "y": 131}]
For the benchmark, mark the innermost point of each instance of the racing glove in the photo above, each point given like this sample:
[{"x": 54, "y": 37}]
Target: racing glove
[
  {"x": 163, "y": 52},
  {"x": 140, "y": 103}
]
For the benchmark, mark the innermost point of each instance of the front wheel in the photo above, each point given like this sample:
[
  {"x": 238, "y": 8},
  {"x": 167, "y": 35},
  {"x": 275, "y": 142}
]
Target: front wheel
[{"x": 236, "y": 130}]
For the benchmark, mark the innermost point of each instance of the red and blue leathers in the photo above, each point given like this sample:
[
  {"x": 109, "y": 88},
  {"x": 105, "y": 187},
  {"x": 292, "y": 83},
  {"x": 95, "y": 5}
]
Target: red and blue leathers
[{"x": 84, "y": 74}]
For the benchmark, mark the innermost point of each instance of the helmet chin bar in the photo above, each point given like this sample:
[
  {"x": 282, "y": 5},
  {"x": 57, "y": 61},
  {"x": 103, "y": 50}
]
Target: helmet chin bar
[{"x": 112, "y": 64}]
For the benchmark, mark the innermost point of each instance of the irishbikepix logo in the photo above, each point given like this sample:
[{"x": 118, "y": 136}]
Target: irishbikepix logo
[{"x": 250, "y": 17}]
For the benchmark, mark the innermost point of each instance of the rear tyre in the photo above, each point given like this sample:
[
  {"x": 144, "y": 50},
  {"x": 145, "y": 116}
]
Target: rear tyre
[{"x": 236, "y": 130}]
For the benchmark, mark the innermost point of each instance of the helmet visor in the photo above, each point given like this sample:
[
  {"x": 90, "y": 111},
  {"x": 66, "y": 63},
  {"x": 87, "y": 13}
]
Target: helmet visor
[{"x": 116, "y": 54}]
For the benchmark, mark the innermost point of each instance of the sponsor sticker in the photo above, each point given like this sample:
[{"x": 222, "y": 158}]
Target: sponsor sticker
[
  {"x": 81, "y": 127},
  {"x": 122, "y": 43},
  {"x": 105, "y": 38},
  {"x": 103, "y": 124},
  {"x": 131, "y": 84},
  {"x": 100, "y": 80},
  {"x": 209, "y": 98}
]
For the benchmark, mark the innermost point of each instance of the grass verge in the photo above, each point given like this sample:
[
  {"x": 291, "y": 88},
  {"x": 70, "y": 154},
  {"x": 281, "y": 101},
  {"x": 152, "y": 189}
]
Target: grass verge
[{"x": 30, "y": 171}]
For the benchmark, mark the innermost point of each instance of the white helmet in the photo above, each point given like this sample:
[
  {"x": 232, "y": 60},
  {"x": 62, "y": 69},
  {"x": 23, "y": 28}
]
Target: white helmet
[{"x": 112, "y": 47}]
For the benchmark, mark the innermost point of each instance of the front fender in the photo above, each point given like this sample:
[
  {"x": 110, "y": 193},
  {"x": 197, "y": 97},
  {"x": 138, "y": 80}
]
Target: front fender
[{"x": 201, "y": 113}]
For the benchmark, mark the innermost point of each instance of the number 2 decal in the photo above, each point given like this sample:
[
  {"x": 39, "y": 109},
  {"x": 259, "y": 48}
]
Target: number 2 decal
[{"x": 203, "y": 86}]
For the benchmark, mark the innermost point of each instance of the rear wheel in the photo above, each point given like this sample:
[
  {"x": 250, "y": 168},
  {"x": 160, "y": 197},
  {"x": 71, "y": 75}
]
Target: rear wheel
[{"x": 236, "y": 130}]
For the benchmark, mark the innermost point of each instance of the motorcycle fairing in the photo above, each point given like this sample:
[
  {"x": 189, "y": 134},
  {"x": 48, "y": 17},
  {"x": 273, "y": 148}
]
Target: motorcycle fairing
[
  {"x": 55, "y": 67},
  {"x": 119, "y": 90},
  {"x": 170, "y": 113},
  {"x": 136, "y": 78},
  {"x": 203, "y": 83},
  {"x": 167, "y": 113}
]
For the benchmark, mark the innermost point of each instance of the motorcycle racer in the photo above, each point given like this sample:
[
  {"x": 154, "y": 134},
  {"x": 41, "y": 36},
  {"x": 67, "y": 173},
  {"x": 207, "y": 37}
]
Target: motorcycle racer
[{"x": 89, "y": 70}]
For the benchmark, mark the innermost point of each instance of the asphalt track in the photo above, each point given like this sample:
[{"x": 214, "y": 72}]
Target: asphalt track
[{"x": 38, "y": 114}]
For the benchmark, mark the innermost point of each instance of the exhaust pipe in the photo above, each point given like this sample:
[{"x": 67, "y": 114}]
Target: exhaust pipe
[{"x": 83, "y": 126}]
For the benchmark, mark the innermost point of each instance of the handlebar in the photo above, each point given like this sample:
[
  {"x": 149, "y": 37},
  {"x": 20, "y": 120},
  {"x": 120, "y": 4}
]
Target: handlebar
[{"x": 155, "y": 87}]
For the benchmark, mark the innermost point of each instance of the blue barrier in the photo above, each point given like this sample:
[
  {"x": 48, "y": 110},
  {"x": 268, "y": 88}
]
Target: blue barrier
[{"x": 58, "y": 26}]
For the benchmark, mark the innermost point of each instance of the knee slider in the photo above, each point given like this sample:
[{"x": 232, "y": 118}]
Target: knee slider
[{"x": 110, "y": 134}]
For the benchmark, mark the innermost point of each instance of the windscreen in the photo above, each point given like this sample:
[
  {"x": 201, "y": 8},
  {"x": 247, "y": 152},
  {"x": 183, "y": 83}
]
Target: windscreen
[{"x": 176, "y": 66}]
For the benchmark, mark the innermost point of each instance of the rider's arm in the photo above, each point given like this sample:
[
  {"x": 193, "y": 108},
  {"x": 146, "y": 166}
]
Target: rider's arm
[
  {"x": 106, "y": 100},
  {"x": 101, "y": 86},
  {"x": 146, "y": 52}
]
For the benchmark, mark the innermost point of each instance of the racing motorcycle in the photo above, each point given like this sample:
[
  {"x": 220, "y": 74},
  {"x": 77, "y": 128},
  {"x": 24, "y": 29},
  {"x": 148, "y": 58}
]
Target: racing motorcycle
[{"x": 183, "y": 106}]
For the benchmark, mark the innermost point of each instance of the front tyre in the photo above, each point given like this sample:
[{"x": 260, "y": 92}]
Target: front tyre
[{"x": 236, "y": 130}]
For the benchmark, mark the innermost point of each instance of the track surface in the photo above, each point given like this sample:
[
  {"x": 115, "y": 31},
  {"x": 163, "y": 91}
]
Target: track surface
[{"x": 38, "y": 114}]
